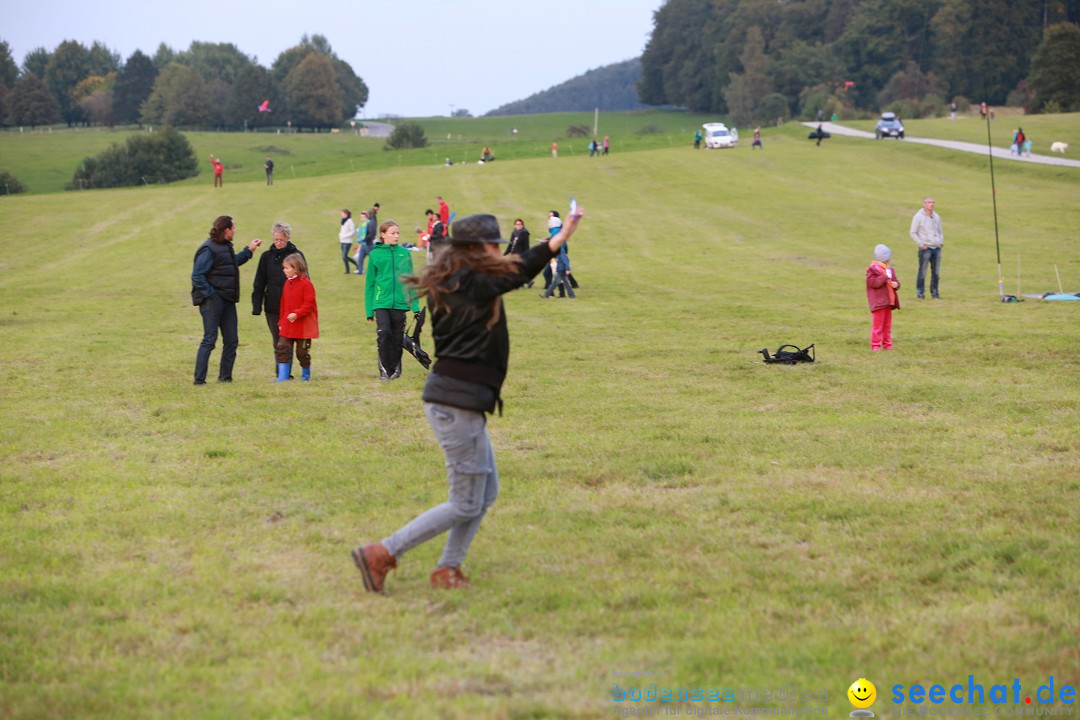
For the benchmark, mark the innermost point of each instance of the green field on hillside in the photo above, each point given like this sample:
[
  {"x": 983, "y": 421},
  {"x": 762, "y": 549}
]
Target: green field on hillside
[
  {"x": 669, "y": 503},
  {"x": 45, "y": 159}
]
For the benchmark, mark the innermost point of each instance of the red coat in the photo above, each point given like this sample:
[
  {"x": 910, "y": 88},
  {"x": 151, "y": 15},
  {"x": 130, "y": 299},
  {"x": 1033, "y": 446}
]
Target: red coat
[
  {"x": 878, "y": 291},
  {"x": 444, "y": 212},
  {"x": 298, "y": 296}
]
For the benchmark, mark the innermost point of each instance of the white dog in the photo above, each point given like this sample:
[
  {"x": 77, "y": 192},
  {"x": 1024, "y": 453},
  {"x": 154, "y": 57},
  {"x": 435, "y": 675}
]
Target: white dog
[{"x": 1059, "y": 147}]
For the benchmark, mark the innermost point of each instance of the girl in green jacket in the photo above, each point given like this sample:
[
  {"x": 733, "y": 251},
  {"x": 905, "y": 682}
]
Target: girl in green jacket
[{"x": 386, "y": 297}]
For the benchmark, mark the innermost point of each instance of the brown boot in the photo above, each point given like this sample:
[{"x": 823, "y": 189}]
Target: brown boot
[
  {"x": 374, "y": 561},
  {"x": 449, "y": 578}
]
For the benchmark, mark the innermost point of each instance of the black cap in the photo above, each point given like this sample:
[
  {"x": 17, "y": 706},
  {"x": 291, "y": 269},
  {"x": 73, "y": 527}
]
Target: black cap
[{"x": 476, "y": 229}]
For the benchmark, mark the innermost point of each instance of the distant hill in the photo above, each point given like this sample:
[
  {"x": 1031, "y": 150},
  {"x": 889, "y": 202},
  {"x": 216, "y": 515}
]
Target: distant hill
[{"x": 612, "y": 87}]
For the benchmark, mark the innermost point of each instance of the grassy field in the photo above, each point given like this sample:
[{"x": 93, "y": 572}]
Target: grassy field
[
  {"x": 45, "y": 160},
  {"x": 669, "y": 503}
]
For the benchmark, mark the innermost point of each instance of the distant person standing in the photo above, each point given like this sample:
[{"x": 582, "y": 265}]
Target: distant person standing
[
  {"x": 298, "y": 322},
  {"x": 270, "y": 278},
  {"x": 757, "y": 139},
  {"x": 215, "y": 289},
  {"x": 554, "y": 149},
  {"x": 444, "y": 210},
  {"x": 697, "y": 140},
  {"x": 593, "y": 147},
  {"x": 952, "y": 110},
  {"x": 386, "y": 297},
  {"x": 219, "y": 170},
  {"x": 269, "y": 170},
  {"x": 365, "y": 240},
  {"x": 437, "y": 232},
  {"x": 607, "y": 144},
  {"x": 345, "y": 239},
  {"x": 519, "y": 239},
  {"x": 881, "y": 287},
  {"x": 373, "y": 216},
  {"x": 927, "y": 233}
]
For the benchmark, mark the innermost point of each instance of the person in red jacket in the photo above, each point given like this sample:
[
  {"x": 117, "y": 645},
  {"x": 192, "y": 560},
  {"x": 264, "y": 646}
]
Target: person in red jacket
[
  {"x": 299, "y": 323},
  {"x": 881, "y": 286},
  {"x": 219, "y": 168},
  {"x": 444, "y": 210}
]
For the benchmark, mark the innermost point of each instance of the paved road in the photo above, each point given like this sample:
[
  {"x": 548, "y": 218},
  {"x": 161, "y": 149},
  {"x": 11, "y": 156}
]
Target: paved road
[{"x": 952, "y": 145}]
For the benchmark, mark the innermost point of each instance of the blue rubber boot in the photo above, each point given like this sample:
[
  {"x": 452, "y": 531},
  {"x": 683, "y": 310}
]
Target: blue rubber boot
[
  {"x": 306, "y": 374},
  {"x": 283, "y": 370}
]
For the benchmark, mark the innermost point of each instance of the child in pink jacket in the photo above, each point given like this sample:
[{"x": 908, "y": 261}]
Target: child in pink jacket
[{"x": 881, "y": 287}]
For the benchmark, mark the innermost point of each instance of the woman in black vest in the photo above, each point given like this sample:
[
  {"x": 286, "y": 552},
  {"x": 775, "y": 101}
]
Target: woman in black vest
[
  {"x": 215, "y": 288},
  {"x": 270, "y": 279}
]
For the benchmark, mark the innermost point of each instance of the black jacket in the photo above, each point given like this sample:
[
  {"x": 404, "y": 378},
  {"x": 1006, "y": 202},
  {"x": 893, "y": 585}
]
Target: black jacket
[
  {"x": 519, "y": 242},
  {"x": 270, "y": 279},
  {"x": 472, "y": 359}
]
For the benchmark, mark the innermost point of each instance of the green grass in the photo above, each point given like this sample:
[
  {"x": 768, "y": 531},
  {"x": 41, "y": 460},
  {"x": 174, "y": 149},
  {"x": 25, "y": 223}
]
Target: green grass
[
  {"x": 45, "y": 159},
  {"x": 668, "y": 501}
]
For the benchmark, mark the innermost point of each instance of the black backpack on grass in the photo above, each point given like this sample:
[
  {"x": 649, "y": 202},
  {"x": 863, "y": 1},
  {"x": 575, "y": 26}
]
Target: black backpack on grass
[{"x": 789, "y": 355}]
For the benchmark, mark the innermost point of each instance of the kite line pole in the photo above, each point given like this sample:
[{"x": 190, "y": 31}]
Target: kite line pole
[{"x": 993, "y": 192}]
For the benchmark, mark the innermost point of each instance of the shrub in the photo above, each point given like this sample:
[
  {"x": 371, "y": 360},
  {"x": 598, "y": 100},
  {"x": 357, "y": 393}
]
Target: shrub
[
  {"x": 406, "y": 135},
  {"x": 9, "y": 184},
  {"x": 161, "y": 157},
  {"x": 578, "y": 131},
  {"x": 772, "y": 107}
]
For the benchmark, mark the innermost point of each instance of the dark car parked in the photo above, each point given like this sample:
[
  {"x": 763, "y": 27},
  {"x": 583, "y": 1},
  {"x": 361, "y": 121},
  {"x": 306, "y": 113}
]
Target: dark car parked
[{"x": 889, "y": 126}]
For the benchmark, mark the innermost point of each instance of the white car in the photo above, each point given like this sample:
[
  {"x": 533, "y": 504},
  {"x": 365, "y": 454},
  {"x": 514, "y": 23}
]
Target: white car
[{"x": 717, "y": 135}]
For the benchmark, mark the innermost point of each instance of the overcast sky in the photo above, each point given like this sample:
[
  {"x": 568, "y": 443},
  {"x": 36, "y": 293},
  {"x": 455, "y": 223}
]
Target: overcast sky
[{"x": 418, "y": 57}]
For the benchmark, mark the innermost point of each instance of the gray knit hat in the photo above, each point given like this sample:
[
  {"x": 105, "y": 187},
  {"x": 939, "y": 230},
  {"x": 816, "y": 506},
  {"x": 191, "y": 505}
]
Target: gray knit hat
[{"x": 882, "y": 253}]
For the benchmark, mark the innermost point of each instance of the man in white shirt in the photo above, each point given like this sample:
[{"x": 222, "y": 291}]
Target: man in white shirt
[{"x": 927, "y": 233}]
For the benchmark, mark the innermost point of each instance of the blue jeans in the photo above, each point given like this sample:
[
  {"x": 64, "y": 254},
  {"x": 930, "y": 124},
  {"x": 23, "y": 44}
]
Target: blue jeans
[
  {"x": 365, "y": 250},
  {"x": 217, "y": 313},
  {"x": 931, "y": 257},
  {"x": 474, "y": 485},
  {"x": 345, "y": 247},
  {"x": 561, "y": 282}
]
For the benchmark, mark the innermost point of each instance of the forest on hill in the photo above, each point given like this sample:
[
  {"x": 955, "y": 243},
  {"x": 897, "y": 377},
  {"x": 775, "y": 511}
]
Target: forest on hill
[
  {"x": 764, "y": 60},
  {"x": 608, "y": 88}
]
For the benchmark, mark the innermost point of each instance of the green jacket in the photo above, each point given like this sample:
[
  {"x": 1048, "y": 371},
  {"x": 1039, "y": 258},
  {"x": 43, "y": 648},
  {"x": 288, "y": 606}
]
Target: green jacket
[{"x": 385, "y": 289}]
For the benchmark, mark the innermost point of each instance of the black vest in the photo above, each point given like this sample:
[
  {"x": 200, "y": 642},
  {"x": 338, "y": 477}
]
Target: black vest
[{"x": 224, "y": 276}]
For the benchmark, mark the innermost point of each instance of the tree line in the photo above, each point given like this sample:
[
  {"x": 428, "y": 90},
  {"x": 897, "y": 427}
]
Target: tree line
[
  {"x": 764, "y": 60},
  {"x": 209, "y": 85}
]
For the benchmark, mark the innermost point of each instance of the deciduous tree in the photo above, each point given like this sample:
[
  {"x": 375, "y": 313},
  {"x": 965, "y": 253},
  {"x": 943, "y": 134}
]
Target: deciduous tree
[
  {"x": 179, "y": 98},
  {"x": 134, "y": 83},
  {"x": 313, "y": 93},
  {"x": 31, "y": 103},
  {"x": 36, "y": 61},
  {"x": 1055, "y": 69},
  {"x": 9, "y": 71}
]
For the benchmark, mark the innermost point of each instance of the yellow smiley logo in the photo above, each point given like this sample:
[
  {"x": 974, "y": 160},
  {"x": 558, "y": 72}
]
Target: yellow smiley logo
[{"x": 862, "y": 693}]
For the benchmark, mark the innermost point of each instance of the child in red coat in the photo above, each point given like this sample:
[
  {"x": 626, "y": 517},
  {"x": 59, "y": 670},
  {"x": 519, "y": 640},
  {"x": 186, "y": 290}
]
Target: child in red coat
[
  {"x": 299, "y": 323},
  {"x": 881, "y": 287}
]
